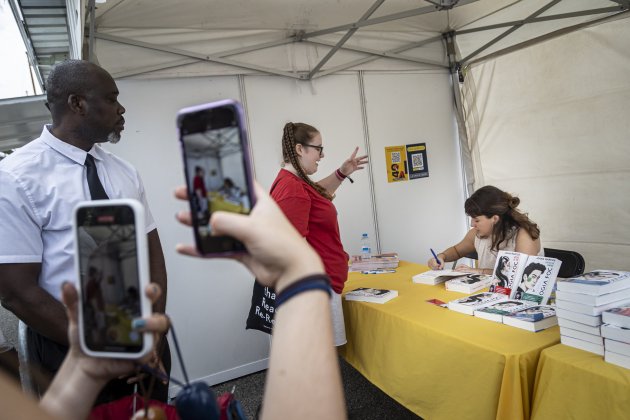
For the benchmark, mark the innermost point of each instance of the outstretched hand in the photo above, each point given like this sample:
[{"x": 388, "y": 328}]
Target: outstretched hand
[{"x": 353, "y": 163}]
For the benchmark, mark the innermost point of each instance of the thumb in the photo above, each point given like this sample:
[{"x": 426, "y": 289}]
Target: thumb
[{"x": 70, "y": 299}]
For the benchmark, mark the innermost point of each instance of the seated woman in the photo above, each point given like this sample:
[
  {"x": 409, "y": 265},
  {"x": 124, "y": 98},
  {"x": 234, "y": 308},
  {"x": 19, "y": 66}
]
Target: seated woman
[{"x": 497, "y": 225}]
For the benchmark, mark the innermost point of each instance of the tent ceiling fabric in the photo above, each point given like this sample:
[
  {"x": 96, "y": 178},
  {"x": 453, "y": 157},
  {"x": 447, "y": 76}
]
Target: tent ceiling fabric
[{"x": 162, "y": 38}]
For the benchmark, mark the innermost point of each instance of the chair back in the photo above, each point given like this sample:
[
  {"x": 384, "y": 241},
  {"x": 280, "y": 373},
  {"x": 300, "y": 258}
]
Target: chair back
[{"x": 572, "y": 261}]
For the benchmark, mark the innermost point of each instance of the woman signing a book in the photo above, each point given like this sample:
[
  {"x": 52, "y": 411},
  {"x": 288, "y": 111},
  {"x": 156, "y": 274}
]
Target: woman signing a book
[
  {"x": 497, "y": 225},
  {"x": 308, "y": 205}
]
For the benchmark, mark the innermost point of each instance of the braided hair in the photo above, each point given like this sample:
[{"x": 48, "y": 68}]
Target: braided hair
[
  {"x": 490, "y": 201},
  {"x": 300, "y": 133}
]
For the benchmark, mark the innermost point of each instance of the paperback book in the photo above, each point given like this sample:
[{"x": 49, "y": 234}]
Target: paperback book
[
  {"x": 507, "y": 271},
  {"x": 582, "y": 345},
  {"x": 617, "y": 359},
  {"x": 365, "y": 294},
  {"x": 617, "y": 347},
  {"x": 535, "y": 318},
  {"x": 616, "y": 333},
  {"x": 433, "y": 277},
  {"x": 525, "y": 277},
  {"x": 567, "y": 323},
  {"x": 593, "y": 321},
  {"x": 589, "y": 309},
  {"x": 469, "y": 304},
  {"x": 469, "y": 283},
  {"x": 538, "y": 279},
  {"x": 496, "y": 311},
  {"x": 580, "y": 335},
  {"x": 593, "y": 300},
  {"x": 617, "y": 316},
  {"x": 596, "y": 283}
]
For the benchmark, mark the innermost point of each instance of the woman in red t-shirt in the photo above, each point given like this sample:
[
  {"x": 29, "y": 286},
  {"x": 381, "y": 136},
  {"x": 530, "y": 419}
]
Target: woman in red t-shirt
[{"x": 308, "y": 205}]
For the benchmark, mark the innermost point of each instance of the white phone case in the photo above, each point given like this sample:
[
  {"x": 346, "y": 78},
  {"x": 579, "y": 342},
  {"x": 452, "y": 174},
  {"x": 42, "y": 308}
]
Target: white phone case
[{"x": 143, "y": 274}]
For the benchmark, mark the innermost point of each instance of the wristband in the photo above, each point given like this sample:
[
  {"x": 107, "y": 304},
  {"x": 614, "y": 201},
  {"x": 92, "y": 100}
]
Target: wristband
[
  {"x": 312, "y": 282},
  {"x": 341, "y": 176}
]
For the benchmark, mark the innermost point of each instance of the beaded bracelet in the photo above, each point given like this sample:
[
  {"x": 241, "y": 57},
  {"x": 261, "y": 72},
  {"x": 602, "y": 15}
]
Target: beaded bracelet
[
  {"x": 341, "y": 176},
  {"x": 312, "y": 282}
]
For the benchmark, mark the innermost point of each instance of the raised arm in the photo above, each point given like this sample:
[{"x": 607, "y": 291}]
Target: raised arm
[
  {"x": 21, "y": 294},
  {"x": 348, "y": 167},
  {"x": 303, "y": 377},
  {"x": 455, "y": 252}
]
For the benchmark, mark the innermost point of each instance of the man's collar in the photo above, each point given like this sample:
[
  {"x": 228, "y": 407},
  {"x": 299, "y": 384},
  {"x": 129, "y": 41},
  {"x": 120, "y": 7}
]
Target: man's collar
[{"x": 71, "y": 152}]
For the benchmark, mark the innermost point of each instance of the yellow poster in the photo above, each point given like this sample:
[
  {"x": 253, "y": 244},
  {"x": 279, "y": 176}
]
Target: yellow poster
[{"x": 396, "y": 161}]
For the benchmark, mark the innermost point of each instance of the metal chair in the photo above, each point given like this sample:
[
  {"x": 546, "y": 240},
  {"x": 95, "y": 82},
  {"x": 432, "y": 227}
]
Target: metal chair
[{"x": 572, "y": 261}]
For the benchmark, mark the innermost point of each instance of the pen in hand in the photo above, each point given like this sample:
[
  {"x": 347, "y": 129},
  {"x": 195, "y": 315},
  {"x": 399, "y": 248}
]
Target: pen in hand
[{"x": 435, "y": 256}]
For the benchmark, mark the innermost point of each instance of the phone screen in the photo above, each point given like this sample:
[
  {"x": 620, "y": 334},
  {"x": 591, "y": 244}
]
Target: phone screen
[
  {"x": 109, "y": 275},
  {"x": 216, "y": 162}
]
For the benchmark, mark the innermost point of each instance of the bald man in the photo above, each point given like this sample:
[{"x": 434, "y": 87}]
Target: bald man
[{"x": 41, "y": 183}]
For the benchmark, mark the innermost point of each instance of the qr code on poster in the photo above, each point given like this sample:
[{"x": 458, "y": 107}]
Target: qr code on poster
[
  {"x": 417, "y": 162},
  {"x": 395, "y": 157}
]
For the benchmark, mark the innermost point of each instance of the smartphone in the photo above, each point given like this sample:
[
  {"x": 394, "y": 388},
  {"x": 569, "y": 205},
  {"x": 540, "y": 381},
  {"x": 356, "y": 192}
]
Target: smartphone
[
  {"x": 217, "y": 169},
  {"x": 112, "y": 265}
]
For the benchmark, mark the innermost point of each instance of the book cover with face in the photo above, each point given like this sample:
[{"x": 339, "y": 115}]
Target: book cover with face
[{"x": 538, "y": 279}]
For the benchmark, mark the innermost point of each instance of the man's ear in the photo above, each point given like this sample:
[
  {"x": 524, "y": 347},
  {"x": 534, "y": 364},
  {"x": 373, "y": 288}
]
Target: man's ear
[{"x": 76, "y": 104}]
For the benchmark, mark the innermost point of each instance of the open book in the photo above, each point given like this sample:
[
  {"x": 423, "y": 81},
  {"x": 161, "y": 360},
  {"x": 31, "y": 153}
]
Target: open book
[{"x": 525, "y": 277}]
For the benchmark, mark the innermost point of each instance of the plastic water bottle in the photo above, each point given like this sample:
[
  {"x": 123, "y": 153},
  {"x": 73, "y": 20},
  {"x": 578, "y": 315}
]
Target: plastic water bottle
[{"x": 366, "y": 247}]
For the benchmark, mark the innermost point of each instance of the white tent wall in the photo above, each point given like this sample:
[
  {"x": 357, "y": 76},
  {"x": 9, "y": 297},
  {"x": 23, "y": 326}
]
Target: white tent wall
[
  {"x": 209, "y": 300},
  {"x": 550, "y": 124}
]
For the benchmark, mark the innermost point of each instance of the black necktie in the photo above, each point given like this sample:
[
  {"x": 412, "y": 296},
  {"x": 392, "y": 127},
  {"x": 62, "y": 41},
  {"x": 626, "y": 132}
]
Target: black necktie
[{"x": 96, "y": 188}]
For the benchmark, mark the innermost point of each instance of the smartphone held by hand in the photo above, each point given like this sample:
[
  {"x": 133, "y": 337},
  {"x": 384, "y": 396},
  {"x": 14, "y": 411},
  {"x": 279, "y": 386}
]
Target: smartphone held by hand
[
  {"x": 112, "y": 264},
  {"x": 217, "y": 170}
]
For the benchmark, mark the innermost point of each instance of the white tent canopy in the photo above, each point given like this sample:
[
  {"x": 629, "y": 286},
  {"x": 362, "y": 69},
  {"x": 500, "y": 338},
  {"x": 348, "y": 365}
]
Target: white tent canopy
[{"x": 305, "y": 39}]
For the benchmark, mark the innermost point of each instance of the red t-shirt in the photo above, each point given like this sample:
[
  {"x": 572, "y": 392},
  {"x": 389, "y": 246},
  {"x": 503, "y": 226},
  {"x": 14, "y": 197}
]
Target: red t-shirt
[
  {"x": 198, "y": 184},
  {"x": 316, "y": 219}
]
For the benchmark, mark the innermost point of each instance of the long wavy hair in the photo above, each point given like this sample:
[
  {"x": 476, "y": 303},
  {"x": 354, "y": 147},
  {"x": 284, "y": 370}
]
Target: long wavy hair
[
  {"x": 490, "y": 201},
  {"x": 300, "y": 133}
]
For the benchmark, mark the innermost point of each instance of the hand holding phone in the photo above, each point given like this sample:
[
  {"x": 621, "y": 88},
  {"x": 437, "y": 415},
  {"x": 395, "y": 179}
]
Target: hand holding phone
[
  {"x": 217, "y": 169},
  {"x": 112, "y": 265}
]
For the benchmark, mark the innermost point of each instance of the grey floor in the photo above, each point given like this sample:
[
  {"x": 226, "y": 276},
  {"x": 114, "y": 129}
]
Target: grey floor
[{"x": 364, "y": 401}]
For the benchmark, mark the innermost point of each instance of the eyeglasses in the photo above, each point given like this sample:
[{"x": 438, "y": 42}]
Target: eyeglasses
[{"x": 320, "y": 149}]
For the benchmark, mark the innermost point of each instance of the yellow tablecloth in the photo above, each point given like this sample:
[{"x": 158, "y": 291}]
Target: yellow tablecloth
[
  {"x": 575, "y": 384},
  {"x": 439, "y": 363}
]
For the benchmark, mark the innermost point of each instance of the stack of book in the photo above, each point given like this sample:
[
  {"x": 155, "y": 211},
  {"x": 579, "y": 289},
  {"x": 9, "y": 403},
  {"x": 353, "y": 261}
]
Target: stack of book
[
  {"x": 580, "y": 302},
  {"x": 616, "y": 333},
  {"x": 375, "y": 262},
  {"x": 433, "y": 277},
  {"x": 521, "y": 286}
]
